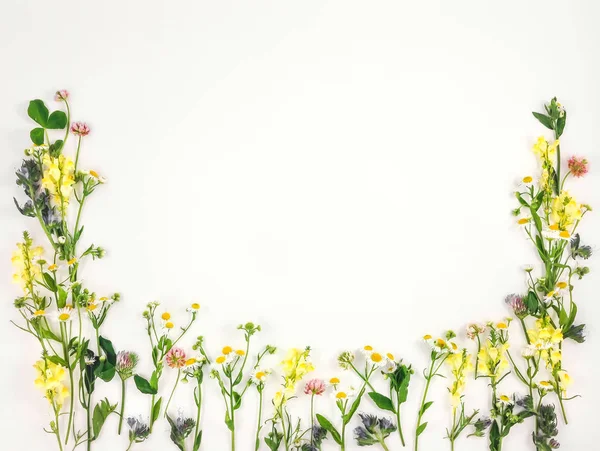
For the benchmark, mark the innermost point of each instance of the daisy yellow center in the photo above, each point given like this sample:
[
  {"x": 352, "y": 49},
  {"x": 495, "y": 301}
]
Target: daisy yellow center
[
  {"x": 334, "y": 380},
  {"x": 426, "y": 337},
  {"x": 64, "y": 316},
  {"x": 94, "y": 174},
  {"x": 523, "y": 221},
  {"x": 221, "y": 359},
  {"x": 227, "y": 350},
  {"x": 368, "y": 348},
  {"x": 504, "y": 398},
  {"x": 551, "y": 293},
  {"x": 196, "y": 306},
  {"x": 240, "y": 352},
  {"x": 501, "y": 326},
  {"x": 440, "y": 343},
  {"x": 52, "y": 267},
  {"x": 166, "y": 316},
  {"x": 104, "y": 298},
  {"x": 169, "y": 325},
  {"x": 92, "y": 307},
  {"x": 527, "y": 179},
  {"x": 375, "y": 357},
  {"x": 341, "y": 395},
  {"x": 72, "y": 261},
  {"x": 564, "y": 234},
  {"x": 39, "y": 312},
  {"x": 554, "y": 227},
  {"x": 454, "y": 346},
  {"x": 390, "y": 356},
  {"x": 562, "y": 285},
  {"x": 545, "y": 384},
  {"x": 189, "y": 362},
  {"x": 260, "y": 375}
]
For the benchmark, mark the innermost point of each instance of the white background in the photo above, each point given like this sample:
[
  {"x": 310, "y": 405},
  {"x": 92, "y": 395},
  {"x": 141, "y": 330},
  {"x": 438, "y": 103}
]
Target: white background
[{"x": 339, "y": 172}]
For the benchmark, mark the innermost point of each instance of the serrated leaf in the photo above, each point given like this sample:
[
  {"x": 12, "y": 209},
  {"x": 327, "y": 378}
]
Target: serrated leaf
[{"x": 38, "y": 112}]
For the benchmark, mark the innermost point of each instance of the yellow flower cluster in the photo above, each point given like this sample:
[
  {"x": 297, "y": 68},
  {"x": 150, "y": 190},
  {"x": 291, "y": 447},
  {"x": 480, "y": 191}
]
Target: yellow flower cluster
[
  {"x": 565, "y": 210},
  {"x": 295, "y": 366},
  {"x": 49, "y": 380},
  {"x": 545, "y": 339},
  {"x": 24, "y": 262},
  {"x": 492, "y": 360},
  {"x": 460, "y": 365},
  {"x": 58, "y": 179},
  {"x": 545, "y": 150}
]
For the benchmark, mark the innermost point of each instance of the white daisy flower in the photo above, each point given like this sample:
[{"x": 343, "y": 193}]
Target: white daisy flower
[
  {"x": 195, "y": 307},
  {"x": 367, "y": 350},
  {"x": 259, "y": 376},
  {"x": 65, "y": 314}
]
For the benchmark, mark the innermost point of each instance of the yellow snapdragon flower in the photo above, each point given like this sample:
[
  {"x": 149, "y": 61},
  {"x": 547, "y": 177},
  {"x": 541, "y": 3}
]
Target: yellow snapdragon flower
[
  {"x": 59, "y": 178},
  {"x": 296, "y": 365},
  {"x": 460, "y": 365},
  {"x": 565, "y": 210},
  {"x": 49, "y": 381},
  {"x": 24, "y": 262},
  {"x": 545, "y": 150},
  {"x": 492, "y": 359}
]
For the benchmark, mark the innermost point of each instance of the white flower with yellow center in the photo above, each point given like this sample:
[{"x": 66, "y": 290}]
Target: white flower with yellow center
[
  {"x": 259, "y": 376},
  {"x": 344, "y": 394},
  {"x": 504, "y": 400},
  {"x": 367, "y": 350},
  {"x": 65, "y": 314},
  {"x": 545, "y": 385},
  {"x": 389, "y": 367},
  {"x": 193, "y": 308}
]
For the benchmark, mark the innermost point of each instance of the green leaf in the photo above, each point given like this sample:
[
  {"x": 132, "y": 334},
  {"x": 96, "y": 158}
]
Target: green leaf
[
  {"x": 107, "y": 346},
  {"x": 156, "y": 410},
  {"x": 47, "y": 333},
  {"x": 348, "y": 416},
  {"x": 521, "y": 200},
  {"x": 57, "y": 360},
  {"x": 560, "y": 124},
  {"x": 37, "y": 136},
  {"x": 105, "y": 371},
  {"x": 56, "y": 147},
  {"x": 228, "y": 421},
  {"x": 101, "y": 412},
  {"x": 326, "y": 424},
  {"x": 62, "y": 297},
  {"x": 237, "y": 400},
  {"x": 38, "y": 112},
  {"x": 426, "y": 406},
  {"x": 49, "y": 280},
  {"x": 383, "y": 402},
  {"x": 198, "y": 441},
  {"x": 421, "y": 428},
  {"x": 546, "y": 121},
  {"x": 144, "y": 386},
  {"x": 57, "y": 120},
  {"x": 531, "y": 302}
]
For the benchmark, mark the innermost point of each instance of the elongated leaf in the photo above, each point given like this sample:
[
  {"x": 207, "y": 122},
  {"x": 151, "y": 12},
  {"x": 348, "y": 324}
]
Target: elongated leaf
[
  {"x": 57, "y": 360},
  {"x": 228, "y": 421},
  {"x": 156, "y": 409},
  {"x": 198, "y": 441},
  {"x": 62, "y": 297},
  {"x": 560, "y": 124},
  {"x": 421, "y": 428},
  {"x": 49, "y": 280},
  {"x": 383, "y": 402},
  {"x": 108, "y": 348},
  {"x": 38, "y": 112},
  {"x": 326, "y": 424},
  {"x": 37, "y": 136},
  {"x": 57, "y": 120},
  {"x": 47, "y": 333},
  {"x": 426, "y": 406},
  {"x": 101, "y": 412},
  {"x": 546, "y": 121},
  {"x": 354, "y": 407},
  {"x": 143, "y": 385}
]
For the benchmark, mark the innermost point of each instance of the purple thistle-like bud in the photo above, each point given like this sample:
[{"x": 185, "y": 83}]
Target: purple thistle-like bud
[
  {"x": 554, "y": 444},
  {"x": 515, "y": 302},
  {"x": 126, "y": 363}
]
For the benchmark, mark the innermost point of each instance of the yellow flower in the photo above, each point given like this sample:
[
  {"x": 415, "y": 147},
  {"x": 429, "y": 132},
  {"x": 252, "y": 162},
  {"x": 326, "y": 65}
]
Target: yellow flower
[
  {"x": 501, "y": 326},
  {"x": 190, "y": 362},
  {"x": 52, "y": 267},
  {"x": 49, "y": 381},
  {"x": 565, "y": 211},
  {"x": 221, "y": 359},
  {"x": 240, "y": 352},
  {"x": 227, "y": 350},
  {"x": 166, "y": 316},
  {"x": 296, "y": 365},
  {"x": 341, "y": 395},
  {"x": 195, "y": 306},
  {"x": 390, "y": 356},
  {"x": 523, "y": 221},
  {"x": 64, "y": 314},
  {"x": 58, "y": 178},
  {"x": 492, "y": 359},
  {"x": 377, "y": 358},
  {"x": 24, "y": 260},
  {"x": 72, "y": 261},
  {"x": 545, "y": 150},
  {"x": 169, "y": 325},
  {"x": 334, "y": 381},
  {"x": 564, "y": 379},
  {"x": 527, "y": 179}
]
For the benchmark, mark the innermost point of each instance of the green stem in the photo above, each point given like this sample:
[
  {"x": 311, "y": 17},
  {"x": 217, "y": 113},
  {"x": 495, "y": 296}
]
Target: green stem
[
  {"x": 258, "y": 425},
  {"x": 198, "y": 413},
  {"x": 343, "y": 445},
  {"x": 366, "y": 380},
  {"x": 312, "y": 418},
  {"x": 151, "y": 411},
  {"x": 398, "y": 421},
  {"x": 57, "y": 427},
  {"x": 231, "y": 406},
  {"x": 383, "y": 445},
  {"x": 122, "y": 405},
  {"x": 131, "y": 442},
  {"x": 71, "y": 380},
  {"x": 89, "y": 422},
  {"x": 77, "y": 153},
  {"x": 172, "y": 392},
  {"x": 423, "y": 404}
]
